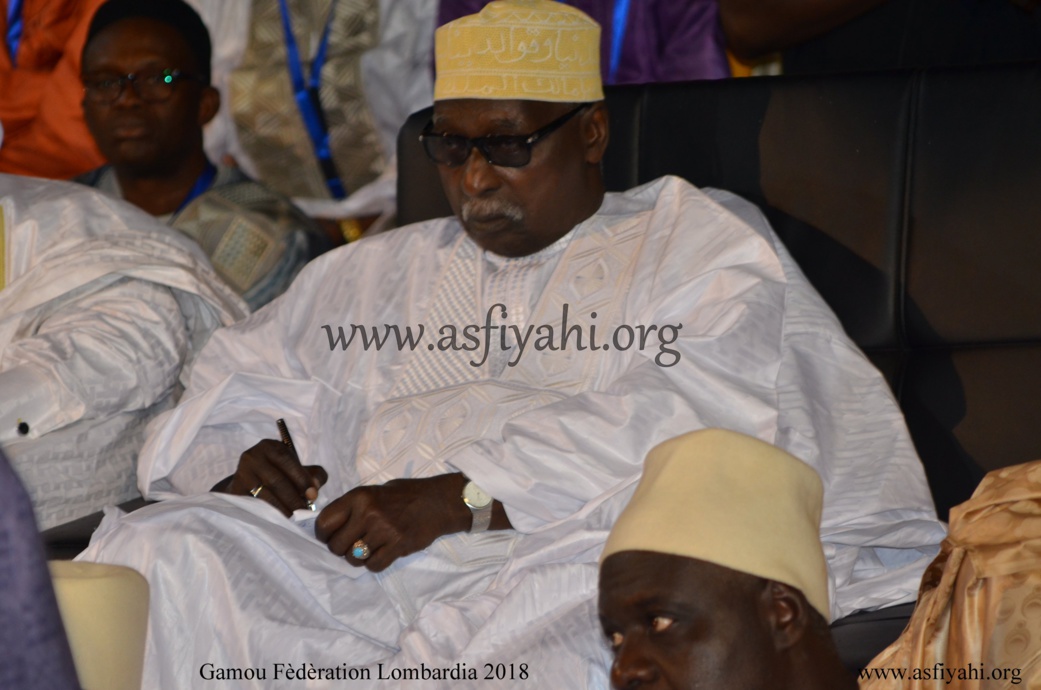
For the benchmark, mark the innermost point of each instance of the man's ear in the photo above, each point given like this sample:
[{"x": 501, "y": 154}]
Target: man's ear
[
  {"x": 595, "y": 132},
  {"x": 786, "y": 613},
  {"x": 209, "y": 104}
]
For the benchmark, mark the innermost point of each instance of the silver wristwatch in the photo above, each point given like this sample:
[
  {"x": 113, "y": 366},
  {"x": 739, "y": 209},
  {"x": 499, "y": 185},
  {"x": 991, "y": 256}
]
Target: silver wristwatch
[{"x": 480, "y": 505}]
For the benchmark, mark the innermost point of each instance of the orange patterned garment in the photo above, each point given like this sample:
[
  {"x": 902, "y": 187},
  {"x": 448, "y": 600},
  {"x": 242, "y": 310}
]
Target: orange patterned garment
[
  {"x": 977, "y": 625},
  {"x": 41, "y": 91}
]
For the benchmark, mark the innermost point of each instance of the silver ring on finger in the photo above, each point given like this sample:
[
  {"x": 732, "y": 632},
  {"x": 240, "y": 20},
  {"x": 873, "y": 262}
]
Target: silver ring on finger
[{"x": 256, "y": 491}]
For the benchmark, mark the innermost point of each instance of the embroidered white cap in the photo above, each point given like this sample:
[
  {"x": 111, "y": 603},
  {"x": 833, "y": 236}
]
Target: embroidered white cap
[{"x": 534, "y": 50}]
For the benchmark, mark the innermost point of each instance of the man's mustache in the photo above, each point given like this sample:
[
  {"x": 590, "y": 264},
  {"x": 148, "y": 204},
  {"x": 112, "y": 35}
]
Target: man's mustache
[{"x": 488, "y": 208}]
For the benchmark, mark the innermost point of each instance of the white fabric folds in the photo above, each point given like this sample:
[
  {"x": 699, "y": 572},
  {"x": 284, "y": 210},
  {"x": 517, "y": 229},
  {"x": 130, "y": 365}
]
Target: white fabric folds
[{"x": 102, "y": 306}]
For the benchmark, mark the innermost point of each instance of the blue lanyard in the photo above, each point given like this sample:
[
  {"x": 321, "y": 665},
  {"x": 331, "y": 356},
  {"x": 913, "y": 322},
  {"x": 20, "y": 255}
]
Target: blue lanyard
[
  {"x": 619, "y": 21},
  {"x": 14, "y": 29},
  {"x": 307, "y": 98},
  {"x": 201, "y": 185},
  {"x": 618, "y": 24}
]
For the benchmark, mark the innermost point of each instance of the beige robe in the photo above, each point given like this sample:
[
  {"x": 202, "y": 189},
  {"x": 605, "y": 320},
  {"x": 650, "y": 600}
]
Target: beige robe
[{"x": 977, "y": 625}]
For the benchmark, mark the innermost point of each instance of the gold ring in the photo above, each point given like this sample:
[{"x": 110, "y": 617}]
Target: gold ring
[
  {"x": 360, "y": 550},
  {"x": 256, "y": 491}
]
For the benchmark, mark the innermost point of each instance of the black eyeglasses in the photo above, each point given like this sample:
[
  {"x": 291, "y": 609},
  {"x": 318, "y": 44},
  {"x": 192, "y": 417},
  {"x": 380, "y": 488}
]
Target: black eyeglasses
[
  {"x": 506, "y": 151},
  {"x": 153, "y": 86}
]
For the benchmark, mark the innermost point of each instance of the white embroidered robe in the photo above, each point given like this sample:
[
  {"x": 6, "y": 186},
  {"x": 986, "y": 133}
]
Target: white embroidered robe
[
  {"x": 559, "y": 438},
  {"x": 100, "y": 307}
]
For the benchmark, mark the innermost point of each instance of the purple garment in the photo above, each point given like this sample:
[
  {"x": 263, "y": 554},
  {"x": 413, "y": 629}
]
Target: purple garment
[
  {"x": 664, "y": 40},
  {"x": 34, "y": 652}
]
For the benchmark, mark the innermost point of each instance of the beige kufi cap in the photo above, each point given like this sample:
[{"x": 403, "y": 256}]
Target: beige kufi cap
[
  {"x": 729, "y": 499},
  {"x": 532, "y": 50}
]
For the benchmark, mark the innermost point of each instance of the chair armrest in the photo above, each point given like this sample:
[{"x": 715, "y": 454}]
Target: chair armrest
[{"x": 64, "y": 542}]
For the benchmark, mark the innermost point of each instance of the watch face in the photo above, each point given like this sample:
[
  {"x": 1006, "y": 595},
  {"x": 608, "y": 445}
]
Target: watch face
[{"x": 475, "y": 496}]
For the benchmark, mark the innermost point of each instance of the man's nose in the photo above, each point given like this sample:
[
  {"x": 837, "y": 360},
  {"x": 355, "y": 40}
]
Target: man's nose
[
  {"x": 632, "y": 668},
  {"x": 479, "y": 176},
  {"x": 128, "y": 95}
]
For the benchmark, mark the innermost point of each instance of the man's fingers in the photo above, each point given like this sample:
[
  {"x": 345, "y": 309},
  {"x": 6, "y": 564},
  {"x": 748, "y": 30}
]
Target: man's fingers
[
  {"x": 271, "y": 471},
  {"x": 388, "y": 518},
  {"x": 249, "y": 483},
  {"x": 342, "y": 541},
  {"x": 348, "y": 523},
  {"x": 282, "y": 493},
  {"x": 284, "y": 457},
  {"x": 380, "y": 559},
  {"x": 332, "y": 520},
  {"x": 318, "y": 474},
  {"x": 284, "y": 475},
  {"x": 380, "y": 553}
]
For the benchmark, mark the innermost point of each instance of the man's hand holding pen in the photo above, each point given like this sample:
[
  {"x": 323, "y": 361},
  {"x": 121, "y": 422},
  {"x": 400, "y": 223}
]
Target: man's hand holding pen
[
  {"x": 370, "y": 526},
  {"x": 271, "y": 471}
]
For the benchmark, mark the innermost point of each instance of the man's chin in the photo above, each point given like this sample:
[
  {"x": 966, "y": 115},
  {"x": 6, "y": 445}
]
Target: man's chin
[
  {"x": 504, "y": 242},
  {"x": 140, "y": 164},
  {"x": 491, "y": 233}
]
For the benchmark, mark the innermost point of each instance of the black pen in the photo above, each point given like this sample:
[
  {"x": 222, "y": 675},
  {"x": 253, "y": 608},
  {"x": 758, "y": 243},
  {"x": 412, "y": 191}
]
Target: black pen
[{"x": 283, "y": 430}]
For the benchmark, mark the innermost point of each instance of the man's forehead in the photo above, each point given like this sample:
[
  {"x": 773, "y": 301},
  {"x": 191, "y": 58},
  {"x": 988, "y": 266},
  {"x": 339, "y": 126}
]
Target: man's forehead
[
  {"x": 507, "y": 115},
  {"x": 650, "y": 571},
  {"x": 157, "y": 37}
]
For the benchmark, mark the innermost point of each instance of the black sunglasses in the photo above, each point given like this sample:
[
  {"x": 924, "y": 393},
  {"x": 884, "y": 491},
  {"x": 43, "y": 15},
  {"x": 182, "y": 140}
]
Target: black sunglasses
[{"x": 506, "y": 151}]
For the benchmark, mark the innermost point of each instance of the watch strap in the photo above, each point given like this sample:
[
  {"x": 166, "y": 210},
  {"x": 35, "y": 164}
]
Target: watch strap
[
  {"x": 481, "y": 515},
  {"x": 482, "y": 518}
]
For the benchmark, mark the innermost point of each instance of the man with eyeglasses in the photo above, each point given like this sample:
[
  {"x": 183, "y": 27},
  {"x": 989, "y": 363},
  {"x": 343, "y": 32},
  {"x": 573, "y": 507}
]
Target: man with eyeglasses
[
  {"x": 466, "y": 404},
  {"x": 146, "y": 97}
]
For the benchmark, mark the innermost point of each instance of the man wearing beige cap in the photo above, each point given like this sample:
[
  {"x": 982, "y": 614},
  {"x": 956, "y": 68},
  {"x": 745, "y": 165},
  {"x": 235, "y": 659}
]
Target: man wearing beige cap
[
  {"x": 533, "y": 348},
  {"x": 714, "y": 577}
]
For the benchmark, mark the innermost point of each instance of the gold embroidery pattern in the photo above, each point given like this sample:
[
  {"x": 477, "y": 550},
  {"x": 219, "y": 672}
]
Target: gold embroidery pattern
[{"x": 269, "y": 125}]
